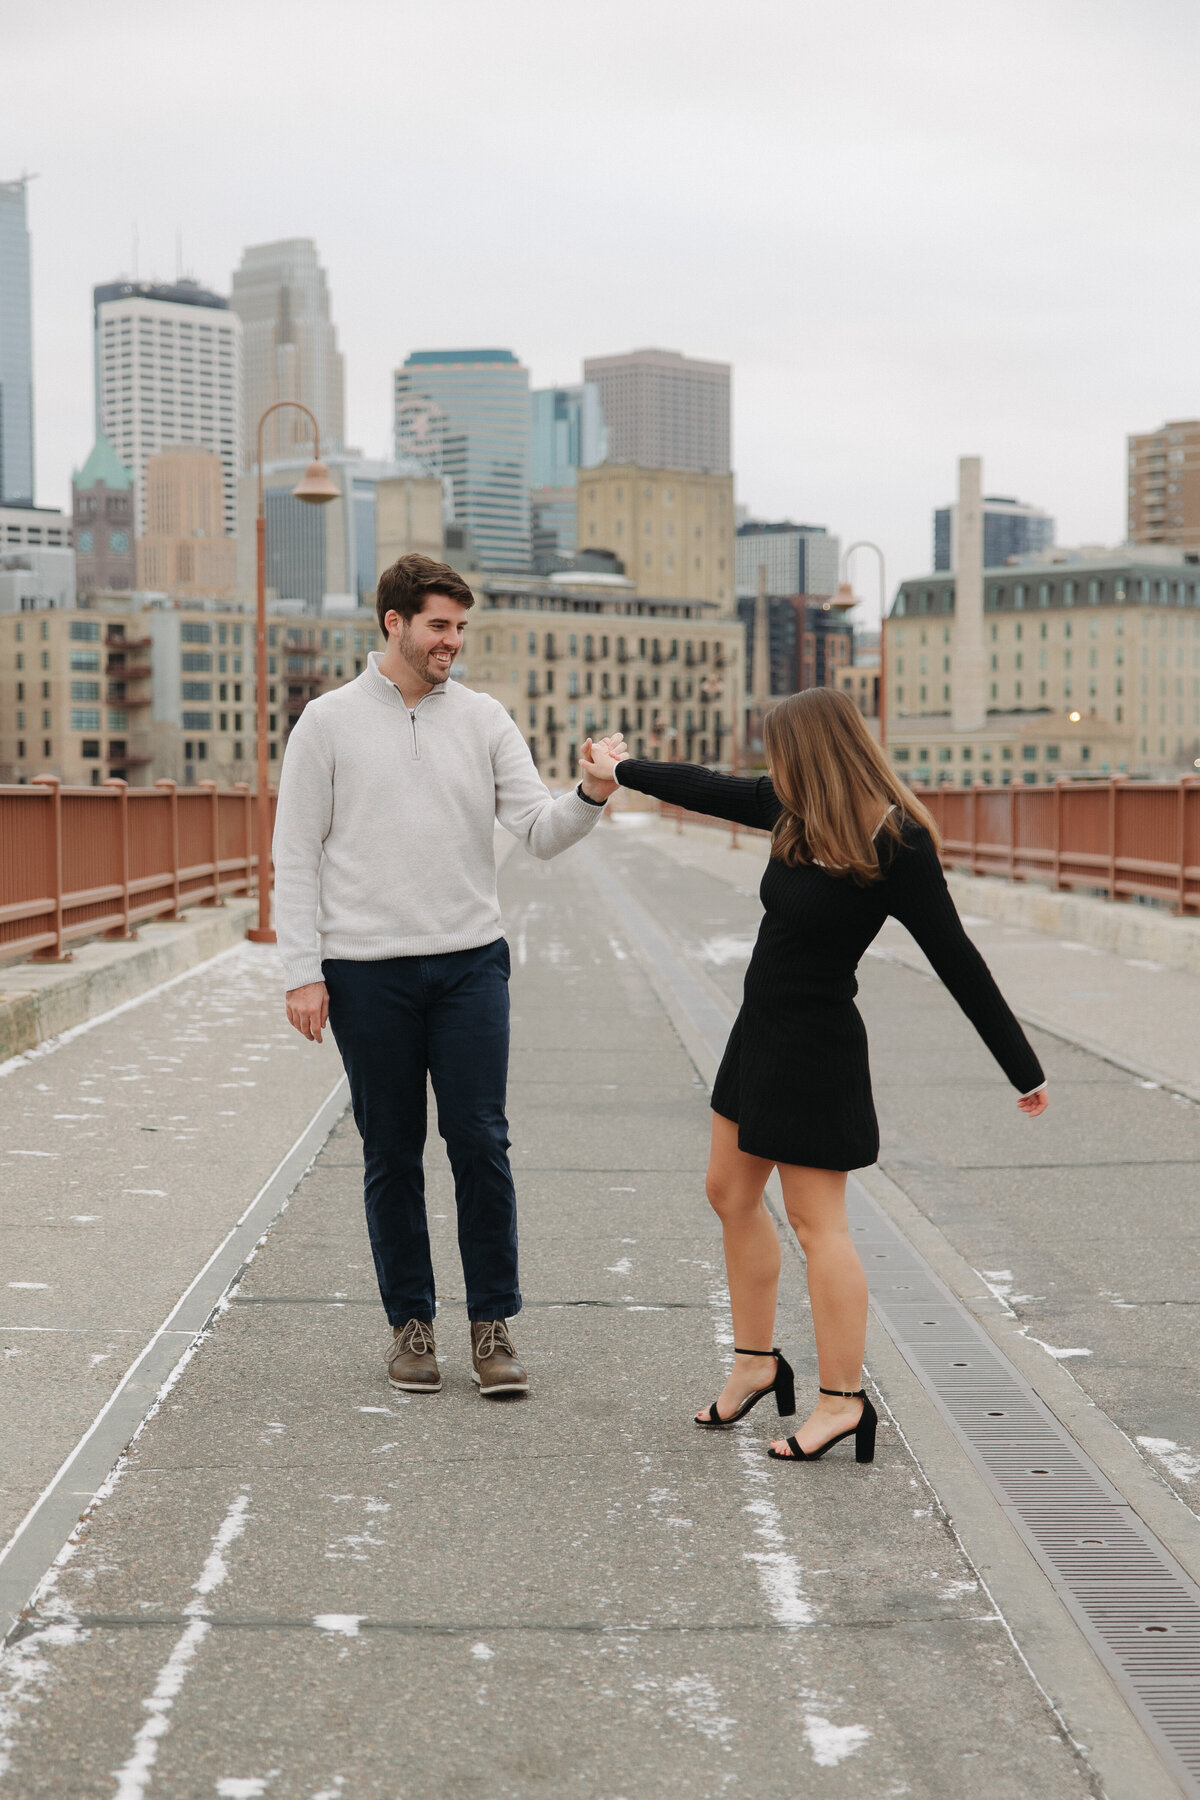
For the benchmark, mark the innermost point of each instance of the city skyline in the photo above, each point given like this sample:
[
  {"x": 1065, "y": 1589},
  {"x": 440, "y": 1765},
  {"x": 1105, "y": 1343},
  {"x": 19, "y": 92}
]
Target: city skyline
[{"x": 894, "y": 273}]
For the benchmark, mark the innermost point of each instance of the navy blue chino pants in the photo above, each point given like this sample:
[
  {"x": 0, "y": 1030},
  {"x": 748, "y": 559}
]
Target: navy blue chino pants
[{"x": 397, "y": 1022}]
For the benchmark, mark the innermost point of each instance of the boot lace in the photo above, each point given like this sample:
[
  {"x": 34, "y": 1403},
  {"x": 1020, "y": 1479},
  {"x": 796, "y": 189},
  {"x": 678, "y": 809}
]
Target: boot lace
[
  {"x": 416, "y": 1336},
  {"x": 493, "y": 1336}
]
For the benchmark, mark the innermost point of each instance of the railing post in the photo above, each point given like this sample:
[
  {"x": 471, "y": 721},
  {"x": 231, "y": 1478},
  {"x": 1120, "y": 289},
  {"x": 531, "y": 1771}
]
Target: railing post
[
  {"x": 57, "y": 954},
  {"x": 166, "y": 782},
  {"x": 214, "y": 843},
  {"x": 973, "y": 810},
  {"x": 1058, "y": 800},
  {"x": 1113, "y": 784},
  {"x": 243, "y": 788},
  {"x": 1186, "y": 785},
  {"x": 121, "y": 789},
  {"x": 1012, "y": 834}
]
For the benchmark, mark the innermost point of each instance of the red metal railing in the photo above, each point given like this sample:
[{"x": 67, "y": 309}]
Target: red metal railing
[
  {"x": 80, "y": 862},
  {"x": 1124, "y": 839}
]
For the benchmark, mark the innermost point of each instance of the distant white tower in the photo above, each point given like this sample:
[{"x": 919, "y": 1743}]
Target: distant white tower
[
  {"x": 969, "y": 710},
  {"x": 168, "y": 372}
]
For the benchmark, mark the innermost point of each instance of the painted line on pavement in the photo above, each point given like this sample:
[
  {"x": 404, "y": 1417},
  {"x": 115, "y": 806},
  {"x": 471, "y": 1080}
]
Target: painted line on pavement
[{"x": 49, "y": 1527}]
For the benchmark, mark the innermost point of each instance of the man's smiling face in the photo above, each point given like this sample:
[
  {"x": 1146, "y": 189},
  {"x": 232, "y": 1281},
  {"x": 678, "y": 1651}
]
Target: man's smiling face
[{"x": 432, "y": 638}]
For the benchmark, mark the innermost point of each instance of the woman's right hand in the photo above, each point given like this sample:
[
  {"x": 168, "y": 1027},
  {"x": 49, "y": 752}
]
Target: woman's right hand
[
  {"x": 1032, "y": 1105},
  {"x": 600, "y": 760}
]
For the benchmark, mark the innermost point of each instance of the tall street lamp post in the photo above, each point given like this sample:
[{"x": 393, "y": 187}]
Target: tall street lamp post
[
  {"x": 845, "y": 589},
  {"x": 317, "y": 489}
]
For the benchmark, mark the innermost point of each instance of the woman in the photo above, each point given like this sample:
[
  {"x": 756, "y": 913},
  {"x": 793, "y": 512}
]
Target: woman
[{"x": 850, "y": 845}]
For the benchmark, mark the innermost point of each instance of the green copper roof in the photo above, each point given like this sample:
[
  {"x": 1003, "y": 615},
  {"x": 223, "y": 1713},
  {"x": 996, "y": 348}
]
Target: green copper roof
[{"x": 103, "y": 465}]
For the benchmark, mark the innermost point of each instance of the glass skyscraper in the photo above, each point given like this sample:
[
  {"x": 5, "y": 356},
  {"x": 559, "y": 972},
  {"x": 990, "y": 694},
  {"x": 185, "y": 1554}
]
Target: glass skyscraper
[
  {"x": 16, "y": 349},
  {"x": 465, "y": 415},
  {"x": 568, "y": 434},
  {"x": 1010, "y": 528}
]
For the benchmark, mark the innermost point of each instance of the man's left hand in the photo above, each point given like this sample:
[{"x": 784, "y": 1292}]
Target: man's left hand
[{"x": 597, "y": 763}]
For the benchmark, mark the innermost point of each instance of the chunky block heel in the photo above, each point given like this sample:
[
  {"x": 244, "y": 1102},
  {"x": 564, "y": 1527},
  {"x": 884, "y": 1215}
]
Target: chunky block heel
[
  {"x": 783, "y": 1387},
  {"x": 863, "y": 1433}
]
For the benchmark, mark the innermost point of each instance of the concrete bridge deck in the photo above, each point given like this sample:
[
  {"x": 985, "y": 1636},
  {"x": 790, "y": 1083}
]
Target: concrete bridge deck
[{"x": 298, "y": 1583}]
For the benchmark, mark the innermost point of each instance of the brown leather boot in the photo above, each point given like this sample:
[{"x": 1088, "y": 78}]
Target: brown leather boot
[
  {"x": 494, "y": 1360},
  {"x": 412, "y": 1364}
]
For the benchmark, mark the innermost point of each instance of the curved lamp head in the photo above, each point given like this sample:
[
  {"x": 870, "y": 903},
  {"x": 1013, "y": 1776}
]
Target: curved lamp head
[{"x": 316, "y": 487}]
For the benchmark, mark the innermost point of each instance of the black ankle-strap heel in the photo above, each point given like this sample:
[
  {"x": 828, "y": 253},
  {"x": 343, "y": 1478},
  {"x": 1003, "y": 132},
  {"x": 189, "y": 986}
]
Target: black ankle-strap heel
[
  {"x": 783, "y": 1387},
  {"x": 863, "y": 1433}
]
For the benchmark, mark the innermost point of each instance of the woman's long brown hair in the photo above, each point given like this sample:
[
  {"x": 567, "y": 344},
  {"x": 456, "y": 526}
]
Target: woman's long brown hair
[{"x": 835, "y": 786}]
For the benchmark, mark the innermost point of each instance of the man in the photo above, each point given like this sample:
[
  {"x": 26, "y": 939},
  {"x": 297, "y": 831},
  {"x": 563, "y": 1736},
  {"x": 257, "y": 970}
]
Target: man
[{"x": 389, "y": 929}]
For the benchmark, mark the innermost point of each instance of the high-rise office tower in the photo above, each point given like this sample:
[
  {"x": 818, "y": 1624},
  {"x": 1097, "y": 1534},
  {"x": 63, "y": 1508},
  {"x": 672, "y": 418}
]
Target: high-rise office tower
[
  {"x": 168, "y": 371},
  {"x": 465, "y": 415},
  {"x": 568, "y": 434},
  {"x": 16, "y": 348},
  {"x": 289, "y": 349},
  {"x": 799, "y": 559},
  {"x": 663, "y": 410},
  {"x": 1164, "y": 485},
  {"x": 1010, "y": 528}
]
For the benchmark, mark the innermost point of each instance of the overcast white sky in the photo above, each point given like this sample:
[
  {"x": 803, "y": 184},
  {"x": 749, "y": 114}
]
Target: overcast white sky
[{"x": 916, "y": 230}]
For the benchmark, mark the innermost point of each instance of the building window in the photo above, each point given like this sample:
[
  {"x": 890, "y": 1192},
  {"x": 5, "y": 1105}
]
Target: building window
[
  {"x": 197, "y": 661},
  {"x": 82, "y": 631},
  {"x": 85, "y": 690},
  {"x": 197, "y": 690},
  {"x": 84, "y": 719},
  {"x": 197, "y": 721},
  {"x": 89, "y": 749},
  {"x": 194, "y": 633}
]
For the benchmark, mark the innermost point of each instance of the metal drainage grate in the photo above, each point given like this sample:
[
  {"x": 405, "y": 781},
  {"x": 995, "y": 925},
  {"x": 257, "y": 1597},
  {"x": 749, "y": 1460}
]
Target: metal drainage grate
[{"x": 1137, "y": 1608}]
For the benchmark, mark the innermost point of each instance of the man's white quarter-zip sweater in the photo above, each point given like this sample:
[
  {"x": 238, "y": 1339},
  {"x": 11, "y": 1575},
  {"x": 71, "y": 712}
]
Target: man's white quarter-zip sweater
[{"x": 384, "y": 827}]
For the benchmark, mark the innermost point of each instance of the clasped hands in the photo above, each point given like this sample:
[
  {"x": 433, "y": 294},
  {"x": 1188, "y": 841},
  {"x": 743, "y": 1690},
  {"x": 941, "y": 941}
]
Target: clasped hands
[{"x": 598, "y": 763}]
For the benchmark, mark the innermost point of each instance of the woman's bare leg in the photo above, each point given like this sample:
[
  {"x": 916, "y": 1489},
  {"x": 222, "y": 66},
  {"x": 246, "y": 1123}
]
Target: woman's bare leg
[
  {"x": 735, "y": 1191},
  {"x": 837, "y": 1288}
]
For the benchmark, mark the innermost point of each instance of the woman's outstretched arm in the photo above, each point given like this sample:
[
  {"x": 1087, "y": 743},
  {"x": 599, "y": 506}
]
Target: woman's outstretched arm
[
  {"x": 743, "y": 800},
  {"x": 919, "y": 898}
]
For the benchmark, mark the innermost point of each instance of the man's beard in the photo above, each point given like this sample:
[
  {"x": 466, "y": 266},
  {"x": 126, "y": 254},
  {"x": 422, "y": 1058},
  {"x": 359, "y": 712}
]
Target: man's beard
[{"x": 423, "y": 665}]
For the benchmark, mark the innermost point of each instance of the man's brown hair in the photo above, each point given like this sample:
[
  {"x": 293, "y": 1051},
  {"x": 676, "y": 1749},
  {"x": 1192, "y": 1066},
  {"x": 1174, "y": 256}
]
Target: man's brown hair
[{"x": 405, "y": 586}]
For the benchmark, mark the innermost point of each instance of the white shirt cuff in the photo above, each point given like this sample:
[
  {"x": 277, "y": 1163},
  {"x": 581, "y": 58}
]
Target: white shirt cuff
[{"x": 1039, "y": 1089}]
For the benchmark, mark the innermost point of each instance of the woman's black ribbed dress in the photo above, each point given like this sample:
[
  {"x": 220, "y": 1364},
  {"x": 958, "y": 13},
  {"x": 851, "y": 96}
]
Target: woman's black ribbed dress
[{"x": 795, "y": 1076}]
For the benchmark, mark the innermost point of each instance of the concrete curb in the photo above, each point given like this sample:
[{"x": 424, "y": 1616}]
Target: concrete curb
[
  {"x": 1118, "y": 926},
  {"x": 41, "y": 1000}
]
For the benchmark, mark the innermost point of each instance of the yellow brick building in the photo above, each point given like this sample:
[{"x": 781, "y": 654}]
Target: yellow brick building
[
  {"x": 672, "y": 529},
  {"x": 1098, "y": 656}
]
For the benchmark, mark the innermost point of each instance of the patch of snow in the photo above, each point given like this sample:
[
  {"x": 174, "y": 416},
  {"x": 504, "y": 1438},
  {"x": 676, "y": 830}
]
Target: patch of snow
[
  {"x": 725, "y": 948},
  {"x": 1053, "y": 1350},
  {"x": 832, "y": 1744},
  {"x": 1177, "y": 1460},
  {"x": 340, "y": 1624}
]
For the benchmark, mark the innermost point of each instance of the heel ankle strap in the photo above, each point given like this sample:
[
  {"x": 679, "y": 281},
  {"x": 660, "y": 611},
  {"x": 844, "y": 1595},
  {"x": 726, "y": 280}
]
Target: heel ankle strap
[
  {"x": 845, "y": 1393},
  {"x": 738, "y": 1351}
]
